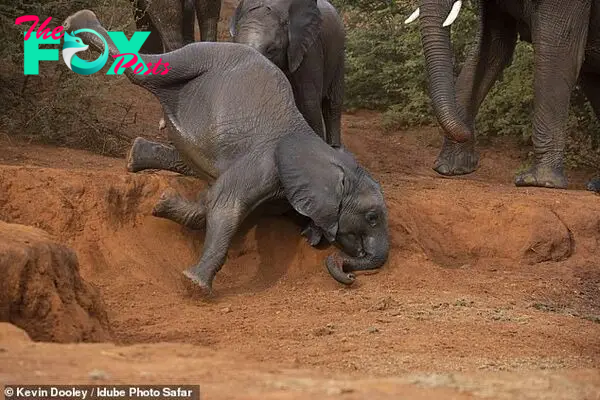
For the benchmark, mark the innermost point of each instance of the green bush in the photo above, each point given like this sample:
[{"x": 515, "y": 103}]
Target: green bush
[{"x": 57, "y": 106}]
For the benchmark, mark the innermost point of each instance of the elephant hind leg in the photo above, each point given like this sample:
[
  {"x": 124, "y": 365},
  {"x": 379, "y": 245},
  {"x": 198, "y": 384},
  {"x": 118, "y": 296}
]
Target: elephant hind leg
[
  {"x": 559, "y": 40},
  {"x": 208, "y": 13},
  {"x": 145, "y": 154},
  {"x": 153, "y": 44},
  {"x": 188, "y": 20},
  {"x": 184, "y": 212}
]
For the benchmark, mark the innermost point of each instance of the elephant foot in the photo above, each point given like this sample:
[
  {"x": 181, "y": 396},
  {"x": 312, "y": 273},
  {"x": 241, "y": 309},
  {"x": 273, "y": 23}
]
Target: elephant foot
[
  {"x": 594, "y": 185},
  {"x": 542, "y": 176},
  {"x": 135, "y": 156},
  {"x": 145, "y": 154},
  {"x": 173, "y": 207},
  {"x": 165, "y": 204},
  {"x": 199, "y": 283},
  {"x": 313, "y": 234},
  {"x": 456, "y": 158}
]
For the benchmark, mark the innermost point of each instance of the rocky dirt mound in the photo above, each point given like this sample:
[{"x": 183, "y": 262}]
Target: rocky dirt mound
[{"x": 41, "y": 289}]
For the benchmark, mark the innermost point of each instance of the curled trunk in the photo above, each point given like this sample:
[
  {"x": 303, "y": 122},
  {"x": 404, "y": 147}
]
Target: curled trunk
[
  {"x": 438, "y": 59},
  {"x": 341, "y": 266}
]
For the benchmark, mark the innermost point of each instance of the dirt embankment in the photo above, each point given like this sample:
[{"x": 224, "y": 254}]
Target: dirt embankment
[
  {"x": 489, "y": 289},
  {"x": 42, "y": 291}
]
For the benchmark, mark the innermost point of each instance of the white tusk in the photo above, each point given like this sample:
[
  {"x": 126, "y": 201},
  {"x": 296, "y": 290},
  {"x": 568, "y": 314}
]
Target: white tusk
[
  {"x": 412, "y": 17},
  {"x": 453, "y": 13}
]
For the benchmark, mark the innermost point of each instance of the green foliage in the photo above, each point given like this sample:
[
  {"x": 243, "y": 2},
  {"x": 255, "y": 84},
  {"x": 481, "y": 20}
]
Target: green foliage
[{"x": 57, "y": 106}]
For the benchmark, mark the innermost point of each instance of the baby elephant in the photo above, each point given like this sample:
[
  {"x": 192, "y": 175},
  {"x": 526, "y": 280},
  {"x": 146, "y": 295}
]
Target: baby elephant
[
  {"x": 305, "y": 39},
  {"x": 232, "y": 118}
]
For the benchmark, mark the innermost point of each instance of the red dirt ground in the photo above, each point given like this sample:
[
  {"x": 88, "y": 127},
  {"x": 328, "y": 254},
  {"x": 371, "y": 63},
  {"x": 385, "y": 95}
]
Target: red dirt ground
[{"x": 490, "y": 291}]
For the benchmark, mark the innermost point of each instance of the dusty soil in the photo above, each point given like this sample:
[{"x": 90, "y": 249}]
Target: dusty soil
[
  {"x": 41, "y": 289},
  {"x": 490, "y": 291}
]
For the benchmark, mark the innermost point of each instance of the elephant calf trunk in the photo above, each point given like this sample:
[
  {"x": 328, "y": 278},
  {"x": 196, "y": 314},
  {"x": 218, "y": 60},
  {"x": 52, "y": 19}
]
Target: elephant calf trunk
[{"x": 340, "y": 266}]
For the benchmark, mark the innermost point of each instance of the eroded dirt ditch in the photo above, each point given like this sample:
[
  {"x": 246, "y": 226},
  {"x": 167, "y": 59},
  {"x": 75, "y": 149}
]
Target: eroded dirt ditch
[{"x": 485, "y": 283}]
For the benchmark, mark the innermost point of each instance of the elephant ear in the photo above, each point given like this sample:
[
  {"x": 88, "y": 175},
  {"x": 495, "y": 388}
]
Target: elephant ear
[
  {"x": 235, "y": 18},
  {"x": 313, "y": 180},
  {"x": 304, "y": 26}
]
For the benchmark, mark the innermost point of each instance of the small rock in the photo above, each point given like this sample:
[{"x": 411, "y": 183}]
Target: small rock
[
  {"x": 226, "y": 310},
  {"x": 373, "y": 329},
  {"x": 330, "y": 326},
  {"x": 98, "y": 375},
  {"x": 3, "y": 350}
]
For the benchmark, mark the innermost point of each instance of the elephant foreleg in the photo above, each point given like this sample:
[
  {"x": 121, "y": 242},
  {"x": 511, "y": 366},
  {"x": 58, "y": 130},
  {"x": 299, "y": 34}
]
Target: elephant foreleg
[
  {"x": 208, "y": 13},
  {"x": 559, "y": 40},
  {"x": 145, "y": 154},
  {"x": 492, "y": 54},
  {"x": 332, "y": 108},
  {"x": 153, "y": 44},
  {"x": 187, "y": 22},
  {"x": 590, "y": 83},
  {"x": 234, "y": 195},
  {"x": 308, "y": 97}
]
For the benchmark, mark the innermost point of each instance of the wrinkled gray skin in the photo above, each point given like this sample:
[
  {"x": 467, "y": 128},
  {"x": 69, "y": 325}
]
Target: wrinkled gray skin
[
  {"x": 251, "y": 141},
  {"x": 305, "y": 39},
  {"x": 171, "y": 22},
  {"x": 566, "y": 41}
]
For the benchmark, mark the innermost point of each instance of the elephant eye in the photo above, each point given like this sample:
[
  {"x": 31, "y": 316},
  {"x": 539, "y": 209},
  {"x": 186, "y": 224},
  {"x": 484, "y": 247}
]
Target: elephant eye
[{"x": 372, "y": 218}]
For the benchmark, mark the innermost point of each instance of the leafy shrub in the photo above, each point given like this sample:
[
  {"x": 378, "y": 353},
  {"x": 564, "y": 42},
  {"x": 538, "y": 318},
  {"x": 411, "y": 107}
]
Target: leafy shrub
[{"x": 57, "y": 106}]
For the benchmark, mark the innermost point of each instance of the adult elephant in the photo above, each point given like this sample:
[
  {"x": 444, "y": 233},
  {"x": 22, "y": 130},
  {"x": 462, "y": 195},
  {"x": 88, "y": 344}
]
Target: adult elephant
[
  {"x": 171, "y": 22},
  {"x": 566, "y": 42}
]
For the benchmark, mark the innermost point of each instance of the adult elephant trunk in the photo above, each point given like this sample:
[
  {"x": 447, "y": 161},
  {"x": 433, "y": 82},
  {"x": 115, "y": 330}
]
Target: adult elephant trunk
[
  {"x": 438, "y": 60},
  {"x": 340, "y": 265}
]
